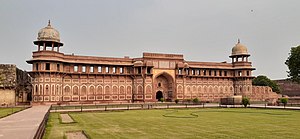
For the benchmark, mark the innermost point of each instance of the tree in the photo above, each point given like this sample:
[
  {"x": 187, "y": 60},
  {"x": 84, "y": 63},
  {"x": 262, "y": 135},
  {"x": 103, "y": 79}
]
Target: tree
[
  {"x": 293, "y": 63},
  {"x": 245, "y": 101},
  {"x": 265, "y": 81}
]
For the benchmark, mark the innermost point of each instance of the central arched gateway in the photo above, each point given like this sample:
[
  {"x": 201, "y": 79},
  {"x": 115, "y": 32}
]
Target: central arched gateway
[
  {"x": 164, "y": 85},
  {"x": 159, "y": 95}
]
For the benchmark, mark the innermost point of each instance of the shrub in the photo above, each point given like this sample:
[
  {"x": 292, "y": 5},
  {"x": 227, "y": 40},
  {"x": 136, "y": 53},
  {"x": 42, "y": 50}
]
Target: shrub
[
  {"x": 284, "y": 101},
  {"x": 176, "y": 101},
  {"x": 245, "y": 101},
  {"x": 195, "y": 100},
  {"x": 162, "y": 99}
]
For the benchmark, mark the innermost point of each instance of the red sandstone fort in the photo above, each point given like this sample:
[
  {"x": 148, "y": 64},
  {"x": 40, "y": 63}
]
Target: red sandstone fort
[{"x": 65, "y": 78}]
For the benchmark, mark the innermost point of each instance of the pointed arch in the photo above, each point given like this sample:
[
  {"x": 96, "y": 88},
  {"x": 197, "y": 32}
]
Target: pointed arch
[
  {"x": 194, "y": 89},
  {"x": 75, "y": 90},
  {"x": 179, "y": 89},
  {"x": 115, "y": 89},
  {"x": 140, "y": 89},
  {"x": 83, "y": 90},
  {"x": 122, "y": 89},
  {"x": 129, "y": 90},
  {"x": 67, "y": 90},
  {"x": 107, "y": 89},
  {"x": 91, "y": 90},
  {"x": 99, "y": 89},
  {"x": 148, "y": 89},
  {"x": 199, "y": 89}
]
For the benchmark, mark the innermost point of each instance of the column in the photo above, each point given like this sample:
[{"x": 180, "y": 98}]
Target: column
[
  {"x": 44, "y": 46},
  {"x": 52, "y": 46}
]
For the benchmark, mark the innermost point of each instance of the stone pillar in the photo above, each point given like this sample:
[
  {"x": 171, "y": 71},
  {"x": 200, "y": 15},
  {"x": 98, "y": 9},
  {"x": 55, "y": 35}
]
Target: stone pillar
[
  {"x": 52, "y": 46},
  {"x": 44, "y": 44}
]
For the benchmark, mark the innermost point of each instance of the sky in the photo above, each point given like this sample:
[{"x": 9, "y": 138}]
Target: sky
[{"x": 201, "y": 30}]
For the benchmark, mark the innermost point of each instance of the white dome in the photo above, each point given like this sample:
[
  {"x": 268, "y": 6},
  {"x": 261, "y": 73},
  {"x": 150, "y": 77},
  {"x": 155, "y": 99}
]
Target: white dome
[{"x": 48, "y": 33}]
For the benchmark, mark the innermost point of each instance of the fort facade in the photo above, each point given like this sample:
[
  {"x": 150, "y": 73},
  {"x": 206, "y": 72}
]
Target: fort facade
[{"x": 69, "y": 78}]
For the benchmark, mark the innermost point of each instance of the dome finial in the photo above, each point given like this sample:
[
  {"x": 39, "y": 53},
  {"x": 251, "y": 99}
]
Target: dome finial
[
  {"x": 238, "y": 40},
  {"x": 49, "y": 23}
]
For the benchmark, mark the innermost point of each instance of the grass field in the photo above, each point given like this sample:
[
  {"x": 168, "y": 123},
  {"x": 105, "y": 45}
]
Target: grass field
[
  {"x": 7, "y": 111},
  {"x": 181, "y": 123}
]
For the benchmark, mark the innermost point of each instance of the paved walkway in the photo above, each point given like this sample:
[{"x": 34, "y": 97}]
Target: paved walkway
[
  {"x": 65, "y": 118},
  {"x": 24, "y": 124}
]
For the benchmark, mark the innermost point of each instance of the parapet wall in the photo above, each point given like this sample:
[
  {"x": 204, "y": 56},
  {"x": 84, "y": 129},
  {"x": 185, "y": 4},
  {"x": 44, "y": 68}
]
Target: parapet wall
[
  {"x": 7, "y": 75},
  {"x": 7, "y": 97},
  {"x": 263, "y": 93},
  {"x": 15, "y": 85}
]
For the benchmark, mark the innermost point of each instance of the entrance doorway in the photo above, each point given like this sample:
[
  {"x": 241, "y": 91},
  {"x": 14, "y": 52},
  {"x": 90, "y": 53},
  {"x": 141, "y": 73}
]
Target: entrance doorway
[
  {"x": 159, "y": 95},
  {"x": 163, "y": 84}
]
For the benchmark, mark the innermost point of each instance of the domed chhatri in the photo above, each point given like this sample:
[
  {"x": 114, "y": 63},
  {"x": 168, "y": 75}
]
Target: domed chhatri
[
  {"x": 48, "y": 37},
  {"x": 239, "y": 49},
  {"x": 48, "y": 34}
]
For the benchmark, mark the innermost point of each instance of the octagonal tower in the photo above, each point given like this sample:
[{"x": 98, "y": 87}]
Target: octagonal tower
[{"x": 242, "y": 70}]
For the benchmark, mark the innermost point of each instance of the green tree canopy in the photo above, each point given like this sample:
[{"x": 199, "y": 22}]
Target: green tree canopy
[
  {"x": 265, "y": 81},
  {"x": 293, "y": 63}
]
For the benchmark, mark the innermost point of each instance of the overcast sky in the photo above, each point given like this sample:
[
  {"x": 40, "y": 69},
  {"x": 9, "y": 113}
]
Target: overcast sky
[{"x": 200, "y": 30}]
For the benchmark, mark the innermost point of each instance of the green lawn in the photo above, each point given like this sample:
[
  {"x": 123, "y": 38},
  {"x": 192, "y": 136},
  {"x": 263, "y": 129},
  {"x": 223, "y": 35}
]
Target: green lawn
[
  {"x": 7, "y": 111},
  {"x": 182, "y": 123}
]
